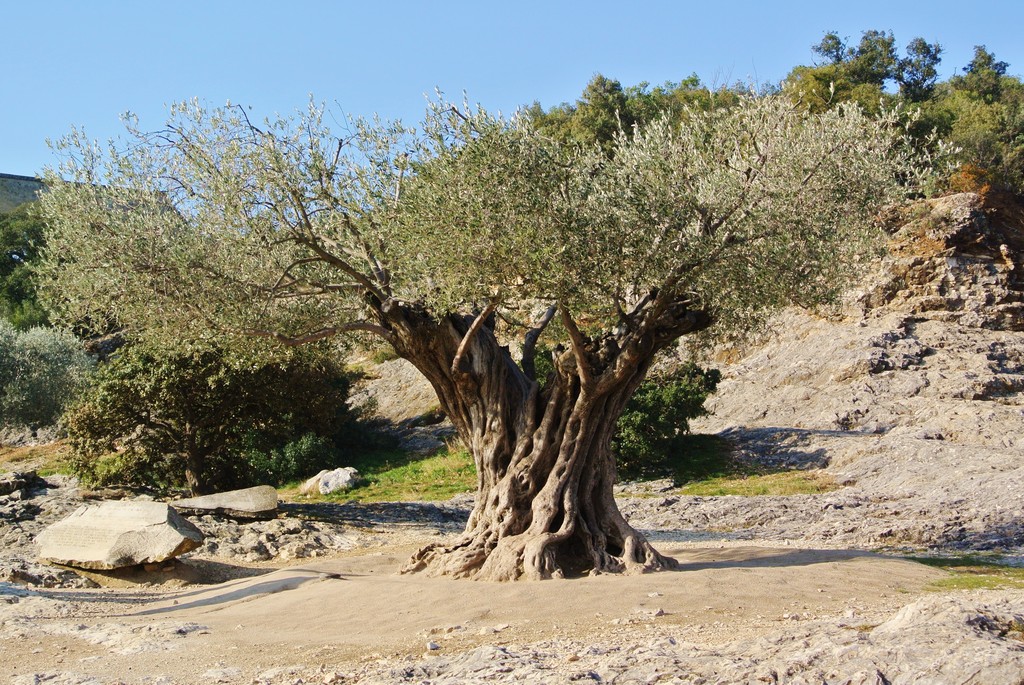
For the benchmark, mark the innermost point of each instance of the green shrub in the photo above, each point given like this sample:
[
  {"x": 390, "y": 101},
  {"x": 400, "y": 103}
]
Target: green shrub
[
  {"x": 651, "y": 432},
  {"x": 41, "y": 371},
  {"x": 204, "y": 418},
  {"x": 300, "y": 458}
]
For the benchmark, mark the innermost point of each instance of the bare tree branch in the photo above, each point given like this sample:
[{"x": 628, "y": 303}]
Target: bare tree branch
[{"x": 313, "y": 336}]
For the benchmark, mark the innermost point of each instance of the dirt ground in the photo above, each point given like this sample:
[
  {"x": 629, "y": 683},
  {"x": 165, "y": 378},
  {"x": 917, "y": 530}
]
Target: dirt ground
[{"x": 345, "y": 611}]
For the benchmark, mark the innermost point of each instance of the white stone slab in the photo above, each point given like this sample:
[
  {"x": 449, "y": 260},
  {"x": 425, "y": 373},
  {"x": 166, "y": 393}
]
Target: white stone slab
[
  {"x": 115, "y": 534},
  {"x": 259, "y": 502}
]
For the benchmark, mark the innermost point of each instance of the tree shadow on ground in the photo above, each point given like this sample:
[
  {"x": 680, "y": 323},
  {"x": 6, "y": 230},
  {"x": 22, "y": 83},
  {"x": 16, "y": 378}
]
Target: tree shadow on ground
[
  {"x": 743, "y": 557},
  {"x": 172, "y": 574},
  {"x": 736, "y": 452},
  {"x": 373, "y": 514},
  {"x": 781, "y": 448},
  {"x": 996, "y": 537}
]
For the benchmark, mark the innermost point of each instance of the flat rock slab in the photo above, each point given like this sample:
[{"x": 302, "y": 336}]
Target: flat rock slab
[
  {"x": 117, "y": 534},
  {"x": 251, "y": 503}
]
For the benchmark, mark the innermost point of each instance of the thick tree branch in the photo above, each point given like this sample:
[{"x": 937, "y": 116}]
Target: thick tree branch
[
  {"x": 579, "y": 349},
  {"x": 529, "y": 365},
  {"x": 467, "y": 339},
  {"x": 313, "y": 336}
]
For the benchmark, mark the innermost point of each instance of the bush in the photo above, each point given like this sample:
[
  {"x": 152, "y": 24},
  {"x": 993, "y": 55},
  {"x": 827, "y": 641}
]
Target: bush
[
  {"x": 300, "y": 458},
  {"x": 41, "y": 371},
  {"x": 206, "y": 419},
  {"x": 651, "y": 432}
]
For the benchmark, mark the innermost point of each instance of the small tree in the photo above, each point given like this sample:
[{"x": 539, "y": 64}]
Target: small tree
[
  {"x": 447, "y": 244},
  {"x": 191, "y": 416}
]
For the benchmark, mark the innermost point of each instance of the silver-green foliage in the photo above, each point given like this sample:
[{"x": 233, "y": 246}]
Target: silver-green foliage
[
  {"x": 283, "y": 229},
  {"x": 41, "y": 371}
]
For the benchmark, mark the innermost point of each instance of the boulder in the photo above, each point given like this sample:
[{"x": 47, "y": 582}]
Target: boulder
[
  {"x": 116, "y": 534},
  {"x": 259, "y": 502},
  {"x": 327, "y": 481}
]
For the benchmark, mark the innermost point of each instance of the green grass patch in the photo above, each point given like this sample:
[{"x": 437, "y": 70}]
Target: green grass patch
[
  {"x": 396, "y": 476},
  {"x": 707, "y": 467},
  {"x": 384, "y": 353},
  {"x": 44, "y": 459},
  {"x": 780, "y": 483},
  {"x": 973, "y": 573}
]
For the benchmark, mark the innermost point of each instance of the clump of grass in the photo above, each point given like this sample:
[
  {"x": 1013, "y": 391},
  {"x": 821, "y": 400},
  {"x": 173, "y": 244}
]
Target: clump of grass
[
  {"x": 781, "y": 483},
  {"x": 974, "y": 573},
  {"x": 384, "y": 353},
  {"x": 397, "y": 476}
]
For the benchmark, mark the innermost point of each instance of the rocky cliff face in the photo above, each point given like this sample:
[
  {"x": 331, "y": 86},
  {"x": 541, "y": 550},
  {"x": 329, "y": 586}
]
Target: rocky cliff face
[
  {"x": 912, "y": 398},
  {"x": 955, "y": 259}
]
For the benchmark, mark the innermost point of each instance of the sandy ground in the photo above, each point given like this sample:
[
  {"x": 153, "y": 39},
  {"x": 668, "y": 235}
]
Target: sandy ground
[{"x": 343, "y": 612}]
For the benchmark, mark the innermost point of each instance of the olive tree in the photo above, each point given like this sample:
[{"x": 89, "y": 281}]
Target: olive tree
[{"x": 462, "y": 245}]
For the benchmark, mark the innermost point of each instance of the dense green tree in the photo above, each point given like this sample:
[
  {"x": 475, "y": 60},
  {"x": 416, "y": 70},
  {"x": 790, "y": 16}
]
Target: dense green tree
[
  {"x": 21, "y": 234},
  {"x": 597, "y": 116},
  {"x": 874, "y": 60},
  {"x": 192, "y": 416},
  {"x": 983, "y": 77},
  {"x": 452, "y": 243},
  {"x": 863, "y": 73},
  {"x": 980, "y": 111},
  {"x": 605, "y": 108},
  {"x": 918, "y": 71}
]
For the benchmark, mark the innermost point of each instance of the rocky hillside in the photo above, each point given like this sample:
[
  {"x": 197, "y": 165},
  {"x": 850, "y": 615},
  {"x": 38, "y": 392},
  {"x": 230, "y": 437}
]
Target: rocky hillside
[{"x": 911, "y": 398}]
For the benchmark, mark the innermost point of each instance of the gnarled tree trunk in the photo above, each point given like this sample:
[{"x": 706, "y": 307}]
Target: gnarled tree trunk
[{"x": 544, "y": 503}]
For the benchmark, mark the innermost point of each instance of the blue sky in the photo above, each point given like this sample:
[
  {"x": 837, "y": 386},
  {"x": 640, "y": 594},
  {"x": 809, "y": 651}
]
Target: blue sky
[{"x": 83, "y": 63}]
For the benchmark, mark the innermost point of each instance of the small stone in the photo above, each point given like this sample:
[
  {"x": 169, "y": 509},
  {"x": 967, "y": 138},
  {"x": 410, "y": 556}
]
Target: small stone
[{"x": 433, "y": 646}]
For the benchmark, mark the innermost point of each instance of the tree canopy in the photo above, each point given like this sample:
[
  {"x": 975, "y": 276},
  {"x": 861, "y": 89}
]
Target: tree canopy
[{"x": 283, "y": 230}]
